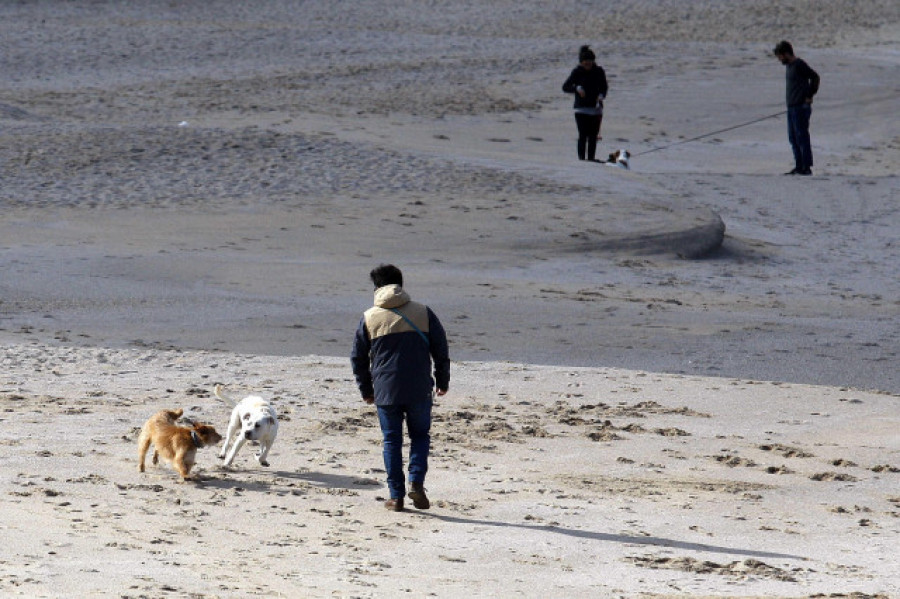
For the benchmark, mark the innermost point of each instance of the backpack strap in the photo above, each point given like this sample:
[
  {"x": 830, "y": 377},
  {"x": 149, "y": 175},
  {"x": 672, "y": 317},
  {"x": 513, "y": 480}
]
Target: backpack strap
[{"x": 412, "y": 324}]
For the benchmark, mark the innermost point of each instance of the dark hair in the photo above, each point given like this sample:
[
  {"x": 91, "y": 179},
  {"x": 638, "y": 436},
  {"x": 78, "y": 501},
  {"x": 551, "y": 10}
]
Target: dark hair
[
  {"x": 386, "y": 274},
  {"x": 784, "y": 47},
  {"x": 585, "y": 53}
]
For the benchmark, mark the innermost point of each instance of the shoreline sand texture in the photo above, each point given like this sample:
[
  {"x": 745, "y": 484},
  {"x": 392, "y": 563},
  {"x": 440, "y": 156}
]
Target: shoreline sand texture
[
  {"x": 319, "y": 141},
  {"x": 195, "y": 192}
]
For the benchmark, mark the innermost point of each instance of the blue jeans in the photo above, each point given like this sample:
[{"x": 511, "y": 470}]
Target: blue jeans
[
  {"x": 798, "y": 135},
  {"x": 418, "y": 424}
]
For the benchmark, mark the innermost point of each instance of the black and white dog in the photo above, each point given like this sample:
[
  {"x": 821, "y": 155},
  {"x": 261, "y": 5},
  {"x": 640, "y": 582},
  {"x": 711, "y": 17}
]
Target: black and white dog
[
  {"x": 255, "y": 419},
  {"x": 619, "y": 158}
]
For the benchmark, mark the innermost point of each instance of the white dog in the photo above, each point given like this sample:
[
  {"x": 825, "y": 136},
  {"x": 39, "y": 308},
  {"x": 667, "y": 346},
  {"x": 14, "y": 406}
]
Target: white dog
[
  {"x": 256, "y": 420},
  {"x": 619, "y": 158}
]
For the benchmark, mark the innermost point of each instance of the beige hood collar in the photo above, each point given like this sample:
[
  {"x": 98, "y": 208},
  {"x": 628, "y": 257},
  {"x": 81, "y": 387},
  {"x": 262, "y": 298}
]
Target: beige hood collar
[{"x": 391, "y": 296}]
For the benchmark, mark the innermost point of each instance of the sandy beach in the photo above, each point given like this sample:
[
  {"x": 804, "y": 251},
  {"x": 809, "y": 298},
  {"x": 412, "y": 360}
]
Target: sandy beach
[{"x": 678, "y": 380}]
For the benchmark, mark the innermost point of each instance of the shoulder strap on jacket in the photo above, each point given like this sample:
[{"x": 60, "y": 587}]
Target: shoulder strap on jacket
[{"x": 410, "y": 323}]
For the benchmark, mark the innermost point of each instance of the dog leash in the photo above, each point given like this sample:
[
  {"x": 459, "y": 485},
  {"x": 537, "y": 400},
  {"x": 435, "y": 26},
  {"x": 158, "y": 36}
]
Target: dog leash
[
  {"x": 412, "y": 324},
  {"x": 684, "y": 141}
]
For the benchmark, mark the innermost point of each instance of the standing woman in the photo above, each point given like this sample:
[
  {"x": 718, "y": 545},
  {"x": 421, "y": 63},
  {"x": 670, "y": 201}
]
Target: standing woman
[{"x": 588, "y": 83}]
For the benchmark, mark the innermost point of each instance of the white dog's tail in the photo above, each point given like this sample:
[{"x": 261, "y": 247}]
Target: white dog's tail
[{"x": 220, "y": 393}]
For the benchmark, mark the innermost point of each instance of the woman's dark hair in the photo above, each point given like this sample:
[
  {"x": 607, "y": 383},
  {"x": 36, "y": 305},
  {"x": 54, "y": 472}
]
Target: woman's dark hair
[
  {"x": 585, "y": 53},
  {"x": 386, "y": 274}
]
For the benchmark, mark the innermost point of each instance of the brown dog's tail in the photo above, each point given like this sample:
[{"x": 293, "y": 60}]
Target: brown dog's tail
[{"x": 174, "y": 415}]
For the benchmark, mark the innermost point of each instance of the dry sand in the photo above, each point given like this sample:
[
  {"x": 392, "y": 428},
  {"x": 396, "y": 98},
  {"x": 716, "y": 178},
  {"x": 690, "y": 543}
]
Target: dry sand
[
  {"x": 194, "y": 193},
  {"x": 547, "y": 482}
]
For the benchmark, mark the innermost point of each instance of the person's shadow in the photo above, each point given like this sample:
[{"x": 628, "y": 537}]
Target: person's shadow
[
  {"x": 321, "y": 479},
  {"x": 614, "y": 538}
]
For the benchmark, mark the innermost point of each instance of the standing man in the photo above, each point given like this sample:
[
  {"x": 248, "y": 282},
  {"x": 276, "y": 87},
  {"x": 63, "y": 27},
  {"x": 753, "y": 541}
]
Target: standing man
[
  {"x": 395, "y": 343},
  {"x": 802, "y": 85}
]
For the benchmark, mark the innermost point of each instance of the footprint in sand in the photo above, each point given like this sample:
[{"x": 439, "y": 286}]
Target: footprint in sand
[{"x": 833, "y": 476}]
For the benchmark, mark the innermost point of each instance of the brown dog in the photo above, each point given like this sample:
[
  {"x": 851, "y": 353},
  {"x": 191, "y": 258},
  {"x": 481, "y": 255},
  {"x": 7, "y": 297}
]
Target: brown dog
[{"x": 176, "y": 444}]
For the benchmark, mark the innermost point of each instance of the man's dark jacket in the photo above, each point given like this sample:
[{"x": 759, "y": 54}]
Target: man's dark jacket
[
  {"x": 802, "y": 83},
  {"x": 391, "y": 360}
]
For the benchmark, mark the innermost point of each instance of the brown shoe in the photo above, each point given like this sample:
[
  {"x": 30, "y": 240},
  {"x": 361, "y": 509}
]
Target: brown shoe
[
  {"x": 418, "y": 496},
  {"x": 395, "y": 505}
]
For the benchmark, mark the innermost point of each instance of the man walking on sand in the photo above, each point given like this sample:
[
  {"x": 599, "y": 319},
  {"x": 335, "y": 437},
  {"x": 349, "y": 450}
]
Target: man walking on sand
[
  {"x": 802, "y": 85},
  {"x": 395, "y": 343}
]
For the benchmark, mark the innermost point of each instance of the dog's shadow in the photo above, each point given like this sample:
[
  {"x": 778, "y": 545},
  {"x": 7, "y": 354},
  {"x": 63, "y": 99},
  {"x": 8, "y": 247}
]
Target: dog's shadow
[
  {"x": 332, "y": 481},
  {"x": 234, "y": 480},
  {"x": 263, "y": 480}
]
